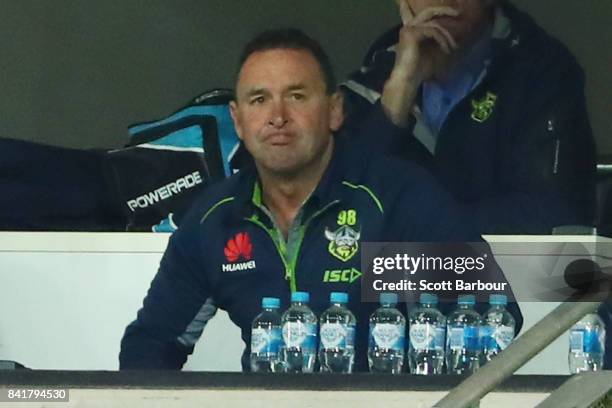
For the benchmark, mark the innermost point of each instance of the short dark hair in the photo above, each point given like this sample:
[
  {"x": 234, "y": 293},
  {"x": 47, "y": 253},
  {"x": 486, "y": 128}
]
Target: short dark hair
[{"x": 291, "y": 39}]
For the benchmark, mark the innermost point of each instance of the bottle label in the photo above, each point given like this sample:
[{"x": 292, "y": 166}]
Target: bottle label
[
  {"x": 487, "y": 339},
  {"x": 300, "y": 335},
  {"x": 464, "y": 337},
  {"x": 587, "y": 341},
  {"x": 593, "y": 340},
  {"x": 266, "y": 340},
  {"x": 496, "y": 337},
  {"x": 576, "y": 341},
  {"x": 424, "y": 336},
  {"x": 440, "y": 338},
  {"x": 388, "y": 336},
  {"x": 337, "y": 335}
]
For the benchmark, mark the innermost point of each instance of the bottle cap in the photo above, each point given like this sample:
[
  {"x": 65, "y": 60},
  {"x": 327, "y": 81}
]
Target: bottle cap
[
  {"x": 338, "y": 297},
  {"x": 302, "y": 297},
  {"x": 428, "y": 299},
  {"x": 388, "y": 299},
  {"x": 466, "y": 299},
  {"x": 498, "y": 300},
  {"x": 270, "y": 303}
]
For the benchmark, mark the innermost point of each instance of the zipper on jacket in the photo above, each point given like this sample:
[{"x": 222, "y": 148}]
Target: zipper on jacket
[
  {"x": 280, "y": 251},
  {"x": 298, "y": 247},
  {"x": 290, "y": 265}
]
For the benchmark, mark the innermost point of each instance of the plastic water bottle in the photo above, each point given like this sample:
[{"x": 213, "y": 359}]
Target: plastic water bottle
[
  {"x": 463, "y": 352},
  {"x": 299, "y": 329},
  {"x": 337, "y": 334},
  {"x": 266, "y": 337},
  {"x": 427, "y": 333},
  {"x": 387, "y": 337},
  {"x": 497, "y": 330},
  {"x": 587, "y": 344}
]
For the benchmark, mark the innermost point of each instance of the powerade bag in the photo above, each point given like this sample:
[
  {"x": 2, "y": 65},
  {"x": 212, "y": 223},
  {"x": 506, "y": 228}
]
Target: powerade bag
[
  {"x": 168, "y": 161},
  {"x": 50, "y": 188},
  {"x": 145, "y": 186}
]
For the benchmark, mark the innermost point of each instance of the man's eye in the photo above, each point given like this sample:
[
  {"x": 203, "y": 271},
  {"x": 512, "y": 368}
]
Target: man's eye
[
  {"x": 258, "y": 100},
  {"x": 298, "y": 96}
]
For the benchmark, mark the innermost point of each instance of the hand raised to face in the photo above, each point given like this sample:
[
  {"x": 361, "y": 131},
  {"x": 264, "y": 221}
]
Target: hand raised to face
[
  {"x": 422, "y": 38},
  {"x": 431, "y": 36}
]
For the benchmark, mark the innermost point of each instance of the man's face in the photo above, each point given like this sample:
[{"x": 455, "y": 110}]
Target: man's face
[
  {"x": 473, "y": 16},
  {"x": 282, "y": 111}
]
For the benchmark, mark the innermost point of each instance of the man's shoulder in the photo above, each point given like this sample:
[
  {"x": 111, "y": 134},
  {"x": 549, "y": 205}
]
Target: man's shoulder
[
  {"x": 217, "y": 197},
  {"x": 533, "y": 47},
  {"x": 411, "y": 200},
  {"x": 383, "y": 172},
  {"x": 384, "y": 42}
]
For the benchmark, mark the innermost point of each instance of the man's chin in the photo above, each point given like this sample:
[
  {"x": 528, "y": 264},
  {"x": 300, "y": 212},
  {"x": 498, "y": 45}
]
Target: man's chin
[{"x": 282, "y": 168}]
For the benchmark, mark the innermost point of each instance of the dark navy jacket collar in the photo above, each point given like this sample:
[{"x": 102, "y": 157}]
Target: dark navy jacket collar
[{"x": 327, "y": 191}]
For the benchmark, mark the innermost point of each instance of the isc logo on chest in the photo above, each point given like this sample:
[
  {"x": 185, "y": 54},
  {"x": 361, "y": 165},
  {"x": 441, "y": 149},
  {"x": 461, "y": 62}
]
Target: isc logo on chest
[{"x": 341, "y": 275}]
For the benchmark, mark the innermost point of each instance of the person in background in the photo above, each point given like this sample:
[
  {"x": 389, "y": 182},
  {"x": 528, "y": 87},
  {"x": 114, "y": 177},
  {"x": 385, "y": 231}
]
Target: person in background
[{"x": 491, "y": 104}]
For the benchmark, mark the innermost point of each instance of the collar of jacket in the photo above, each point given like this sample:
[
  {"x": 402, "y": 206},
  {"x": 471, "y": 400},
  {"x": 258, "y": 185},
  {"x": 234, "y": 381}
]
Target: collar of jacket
[
  {"x": 328, "y": 190},
  {"x": 513, "y": 35}
]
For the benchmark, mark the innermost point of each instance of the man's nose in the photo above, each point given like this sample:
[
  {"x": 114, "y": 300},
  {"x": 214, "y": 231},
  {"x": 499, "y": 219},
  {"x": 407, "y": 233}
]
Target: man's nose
[{"x": 278, "y": 115}]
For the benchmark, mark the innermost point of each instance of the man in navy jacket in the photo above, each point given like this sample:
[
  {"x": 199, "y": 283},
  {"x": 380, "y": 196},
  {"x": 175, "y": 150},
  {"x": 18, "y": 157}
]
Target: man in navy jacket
[
  {"x": 269, "y": 230},
  {"x": 492, "y": 105}
]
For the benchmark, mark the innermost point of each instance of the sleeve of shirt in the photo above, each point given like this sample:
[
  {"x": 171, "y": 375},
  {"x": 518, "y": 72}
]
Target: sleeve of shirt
[{"x": 159, "y": 337}]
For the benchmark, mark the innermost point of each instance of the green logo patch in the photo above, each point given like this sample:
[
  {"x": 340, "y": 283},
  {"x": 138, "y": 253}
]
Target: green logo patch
[
  {"x": 341, "y": 275},
  {"x": 483, "y": 108},
  {"x": 344, "y": 242}
]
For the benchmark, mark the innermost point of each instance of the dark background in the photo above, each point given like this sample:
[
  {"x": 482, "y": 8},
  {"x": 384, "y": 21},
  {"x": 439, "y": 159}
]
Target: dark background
[{"x": 75, "y": 73}]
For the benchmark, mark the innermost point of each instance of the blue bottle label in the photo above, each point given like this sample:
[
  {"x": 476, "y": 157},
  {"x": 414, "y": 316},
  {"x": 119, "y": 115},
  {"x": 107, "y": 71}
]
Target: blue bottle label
[
  {"x": 496, "y": 338},
  {"x": 388, "y": 336},
  {"x": 587, "y": 341},
  {"x": 337, "y": 335},
  {"x": 592, "y": 342},
  {"x": 471, "y": 338},
  {"x": 464, "y": 337},
  {"x": 266, "y": 341},
  {"x": 440, "y": 338},
  {"x": 300, "y": 335},
  {"x": 576, "y": 341},
  {"x": 486, "y": 338}
]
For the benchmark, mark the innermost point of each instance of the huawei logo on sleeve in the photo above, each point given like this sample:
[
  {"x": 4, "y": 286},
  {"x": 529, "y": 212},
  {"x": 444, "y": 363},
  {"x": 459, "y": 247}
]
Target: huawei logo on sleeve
[{"x": 237, "y": 249}]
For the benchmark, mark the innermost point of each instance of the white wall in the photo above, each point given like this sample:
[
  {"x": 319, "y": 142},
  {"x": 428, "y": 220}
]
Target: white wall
[{"x": 66, "y": 298}]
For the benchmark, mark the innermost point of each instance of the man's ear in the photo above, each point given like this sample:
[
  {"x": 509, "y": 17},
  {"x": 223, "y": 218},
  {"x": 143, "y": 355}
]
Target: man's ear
[
  {"x": 234, "y": 113},
  {"x": 336, "y": 111}
]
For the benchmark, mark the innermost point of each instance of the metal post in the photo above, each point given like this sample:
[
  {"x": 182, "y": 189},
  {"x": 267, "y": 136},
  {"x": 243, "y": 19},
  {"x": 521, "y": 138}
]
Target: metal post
[{"x": 518, "y": 353}]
